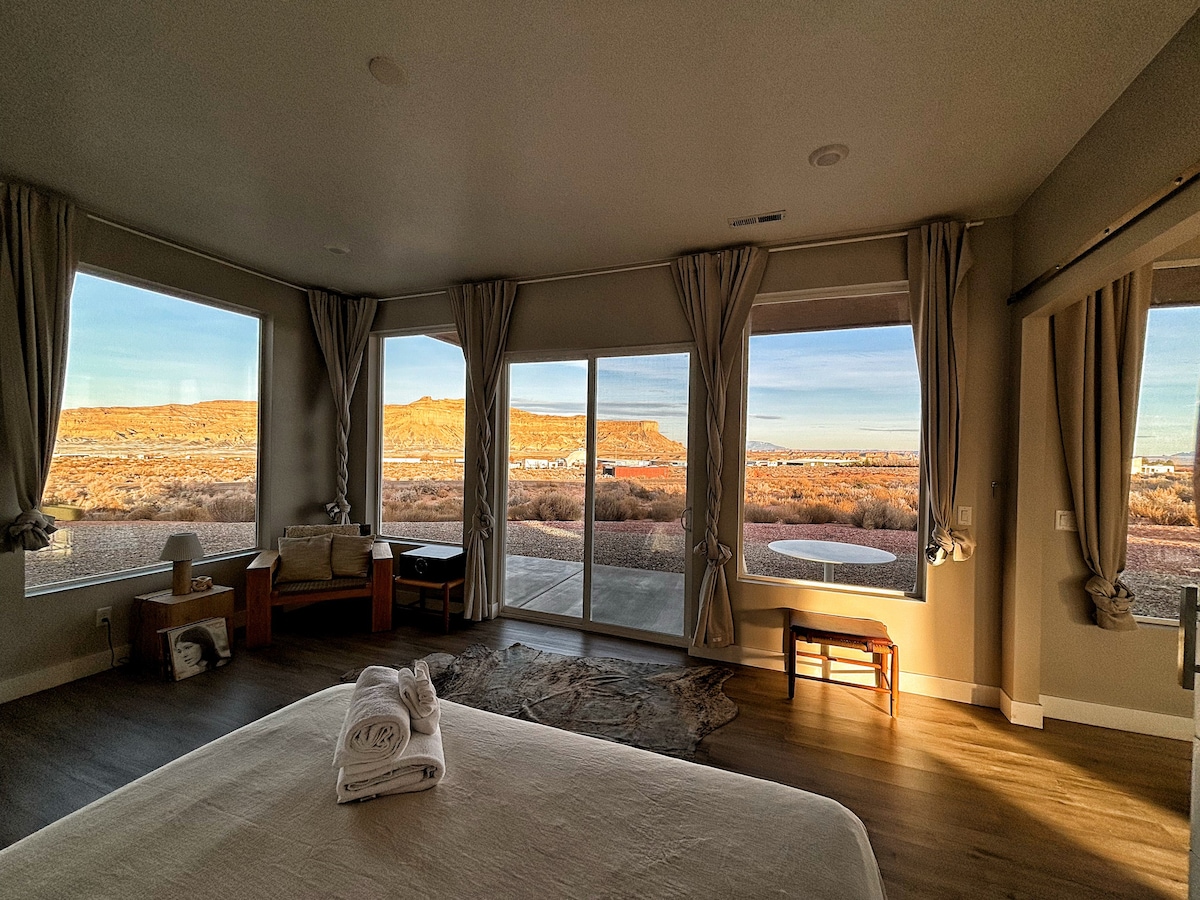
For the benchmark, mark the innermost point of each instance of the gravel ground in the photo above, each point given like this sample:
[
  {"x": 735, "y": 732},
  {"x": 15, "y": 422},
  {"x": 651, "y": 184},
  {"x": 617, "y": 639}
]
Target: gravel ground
[{"x": 1162, "y": 558}]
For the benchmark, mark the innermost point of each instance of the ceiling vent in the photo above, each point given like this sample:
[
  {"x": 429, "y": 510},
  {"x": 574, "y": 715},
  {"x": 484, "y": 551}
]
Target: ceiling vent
[{"x": 762, "y": 219}]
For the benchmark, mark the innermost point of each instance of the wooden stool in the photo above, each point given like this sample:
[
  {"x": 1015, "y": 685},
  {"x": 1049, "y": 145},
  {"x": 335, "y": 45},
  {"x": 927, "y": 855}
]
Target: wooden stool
[{"x": 843, "y": 631}]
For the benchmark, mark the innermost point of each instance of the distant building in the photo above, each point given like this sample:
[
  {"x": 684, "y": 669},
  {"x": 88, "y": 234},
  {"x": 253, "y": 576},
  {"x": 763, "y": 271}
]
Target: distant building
[
  {"x": 537, "y": 464},
  {"x": 1143, "y": 465}
]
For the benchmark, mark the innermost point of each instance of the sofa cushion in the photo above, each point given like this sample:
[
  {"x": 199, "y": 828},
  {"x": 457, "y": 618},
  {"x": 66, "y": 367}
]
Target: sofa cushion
[
  {"x": 351, "y": 556},
  {"x": 311, "y": 530},
  {"x": 305, "y": 559}
]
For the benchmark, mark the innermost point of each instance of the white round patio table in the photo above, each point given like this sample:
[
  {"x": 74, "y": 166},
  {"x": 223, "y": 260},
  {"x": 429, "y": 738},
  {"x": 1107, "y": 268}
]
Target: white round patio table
[{"x": 832, "y": 553}]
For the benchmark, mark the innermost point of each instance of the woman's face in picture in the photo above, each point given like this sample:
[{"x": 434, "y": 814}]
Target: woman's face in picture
[{"x": 190, "y": 653}]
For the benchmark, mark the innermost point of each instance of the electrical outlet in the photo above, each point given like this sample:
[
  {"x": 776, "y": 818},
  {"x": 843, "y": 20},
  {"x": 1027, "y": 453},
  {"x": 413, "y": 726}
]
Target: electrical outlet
[
  {"x": 965, "y": 515},
  {"x": 1064, "y": 520},
  {"x": 103, "y": 615}
]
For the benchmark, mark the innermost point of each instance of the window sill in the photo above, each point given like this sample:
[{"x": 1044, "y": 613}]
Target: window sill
[
  {"x": 56, "y": 587},
  {"x": 1154, "y": 620}
]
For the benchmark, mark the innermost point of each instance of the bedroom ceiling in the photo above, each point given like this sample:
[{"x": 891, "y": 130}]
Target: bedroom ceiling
[{"x": 538, "y": 137}]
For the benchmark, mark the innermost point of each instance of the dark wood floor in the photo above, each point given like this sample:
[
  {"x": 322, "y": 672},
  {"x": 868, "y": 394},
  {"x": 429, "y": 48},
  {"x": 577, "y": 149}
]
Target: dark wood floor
[{"x": 958, "y": 802}]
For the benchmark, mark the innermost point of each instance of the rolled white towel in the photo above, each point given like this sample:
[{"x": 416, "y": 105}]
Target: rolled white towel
[
  {"x": 418, "y": 768},
  {"x": 377, "y": 726},
  {"x": 420, "y": 696}
]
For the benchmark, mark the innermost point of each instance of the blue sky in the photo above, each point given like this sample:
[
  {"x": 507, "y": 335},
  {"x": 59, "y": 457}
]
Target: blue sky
[
  {"x": 835, "y": 390},
  {"x": 853, "y": 389},
  {"x": 1170, "y": 375},
  {"x": 133, "y": 347}
]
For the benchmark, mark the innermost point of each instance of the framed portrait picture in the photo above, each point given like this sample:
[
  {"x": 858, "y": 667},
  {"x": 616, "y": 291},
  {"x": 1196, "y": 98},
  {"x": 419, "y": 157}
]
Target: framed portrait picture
[{"x": 195, "y": 648}]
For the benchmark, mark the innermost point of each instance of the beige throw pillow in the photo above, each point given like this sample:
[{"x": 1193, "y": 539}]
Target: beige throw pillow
[
  {"x": 305, "y": 559},
  {"x": 351, "y": 557}
]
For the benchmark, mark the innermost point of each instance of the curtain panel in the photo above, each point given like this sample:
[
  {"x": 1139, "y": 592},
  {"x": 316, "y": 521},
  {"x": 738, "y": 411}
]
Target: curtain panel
[
  {"x": 716, "y": 291},
  {"x": 939, "y": 257},
  {"x": 481, "y": 314},
  {"x": 1098, "y": 344},
  {"x": 39, "y": 253},
  {"x": 343, "y": 326}
]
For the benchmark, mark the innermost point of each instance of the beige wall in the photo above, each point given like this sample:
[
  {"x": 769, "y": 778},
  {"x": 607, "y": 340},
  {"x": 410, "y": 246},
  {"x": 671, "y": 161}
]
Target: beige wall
[{"x": 296, "y": 468}]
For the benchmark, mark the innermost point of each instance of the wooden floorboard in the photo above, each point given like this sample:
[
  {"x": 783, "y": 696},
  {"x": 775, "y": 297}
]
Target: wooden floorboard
[{"x": 958, "y": 803}]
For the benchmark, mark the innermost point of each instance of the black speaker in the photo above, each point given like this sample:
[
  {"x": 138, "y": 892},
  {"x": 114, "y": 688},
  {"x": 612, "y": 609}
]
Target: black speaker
[{"x": 434, "y": 563}]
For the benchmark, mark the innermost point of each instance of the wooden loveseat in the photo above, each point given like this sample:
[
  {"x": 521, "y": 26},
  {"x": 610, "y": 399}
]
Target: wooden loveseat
[{"x": 316, "y": 563}]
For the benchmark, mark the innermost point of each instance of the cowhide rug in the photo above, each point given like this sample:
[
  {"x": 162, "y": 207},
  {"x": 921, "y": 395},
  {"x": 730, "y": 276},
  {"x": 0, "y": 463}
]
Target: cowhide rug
[{"x": 668, "y": 709}]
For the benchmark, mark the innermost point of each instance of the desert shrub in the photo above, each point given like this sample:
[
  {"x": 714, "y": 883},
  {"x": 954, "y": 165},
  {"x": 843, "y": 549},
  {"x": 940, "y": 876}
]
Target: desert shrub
[
  {"x": 813, "y": 514},
  {"x": 1161, "y": 506},
  {"x": 667, "y": 509},
  {"x": 873, "y": 512},
  {"x": 231, "y": 508},
  {"x": 548, "y": 506},
  {"x": 184, "y": 513},
  {"x": 444, "y": 509},
  {"x": 612, "y": 507},
  {"x": 760, "y": 513},
  {"x": 140, "y": 512}
]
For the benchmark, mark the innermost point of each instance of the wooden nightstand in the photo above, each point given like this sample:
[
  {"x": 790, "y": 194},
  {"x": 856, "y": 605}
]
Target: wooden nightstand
[{"x": 162, "y": 609}]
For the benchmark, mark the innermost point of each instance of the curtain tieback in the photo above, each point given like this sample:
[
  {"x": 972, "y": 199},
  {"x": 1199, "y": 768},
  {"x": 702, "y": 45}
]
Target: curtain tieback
[
  {"x": 718, "y": 554},
  {"x": 31, "y": 530},
  {"x": 483, "y": 521},
  {"x": 946, "y": 543}
]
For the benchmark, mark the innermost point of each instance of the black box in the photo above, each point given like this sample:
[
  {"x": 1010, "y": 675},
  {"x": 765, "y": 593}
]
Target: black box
[{"x": 434, "y": 563}]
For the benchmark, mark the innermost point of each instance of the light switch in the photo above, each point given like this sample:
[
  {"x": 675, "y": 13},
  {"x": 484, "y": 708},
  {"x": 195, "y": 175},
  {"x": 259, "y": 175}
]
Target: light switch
[
  {"x": 1064, "y": 520},
  {"x": 965, "y": 515}
]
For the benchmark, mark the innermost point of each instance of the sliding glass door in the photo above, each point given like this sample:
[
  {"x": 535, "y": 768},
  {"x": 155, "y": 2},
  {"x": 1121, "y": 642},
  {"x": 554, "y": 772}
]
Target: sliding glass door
[{"x": 598, "y": 524}]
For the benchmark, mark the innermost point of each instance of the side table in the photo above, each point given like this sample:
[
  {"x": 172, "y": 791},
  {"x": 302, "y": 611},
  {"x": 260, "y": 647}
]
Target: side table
[
  {"x": 422, "y": 586},
  {"x": 162, "y": 609}
]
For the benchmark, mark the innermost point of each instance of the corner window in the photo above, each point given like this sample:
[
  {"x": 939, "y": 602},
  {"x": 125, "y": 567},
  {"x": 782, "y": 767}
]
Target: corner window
[
  {"x": 423, "y": 425},
  {"x": 158, "y": 432},
  {"x": 1163, "y": 549},
  {"x": 832, "y": 481}
]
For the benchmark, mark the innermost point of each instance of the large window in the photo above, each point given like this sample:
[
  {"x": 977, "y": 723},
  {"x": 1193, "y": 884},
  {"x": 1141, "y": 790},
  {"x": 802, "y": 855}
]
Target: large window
[
  {"x": 1163, "y": 551},
  {"x": 158, "y": 433},
  {"x": 832, "y": 436},
  {"x": 424, "y": 391}
]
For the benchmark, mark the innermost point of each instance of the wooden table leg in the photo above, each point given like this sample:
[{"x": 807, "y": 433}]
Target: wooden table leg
[
  {"x": 895, "y": 705},
  {"x": 446, "y": 608},
  {"x": 791, "y": 663}
]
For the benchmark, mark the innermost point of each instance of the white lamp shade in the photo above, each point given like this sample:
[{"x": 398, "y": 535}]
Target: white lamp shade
[{"x": 185, "y": 546}]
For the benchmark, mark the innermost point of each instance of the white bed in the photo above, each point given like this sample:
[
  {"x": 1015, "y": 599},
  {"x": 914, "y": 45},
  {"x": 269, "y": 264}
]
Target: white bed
[{"x": 524, "y": 811}]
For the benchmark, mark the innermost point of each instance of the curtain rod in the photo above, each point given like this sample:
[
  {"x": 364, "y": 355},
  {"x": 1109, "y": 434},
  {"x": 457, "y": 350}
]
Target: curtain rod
[
  {"x": 195, "y": 252},
  {"x": 661, "y": 263},
  {"x": 539, "y": 279}
]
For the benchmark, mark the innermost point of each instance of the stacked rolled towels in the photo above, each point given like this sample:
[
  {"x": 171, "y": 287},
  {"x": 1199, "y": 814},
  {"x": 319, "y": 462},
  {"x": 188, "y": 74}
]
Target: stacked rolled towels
[{"x": 390, "y": 742}]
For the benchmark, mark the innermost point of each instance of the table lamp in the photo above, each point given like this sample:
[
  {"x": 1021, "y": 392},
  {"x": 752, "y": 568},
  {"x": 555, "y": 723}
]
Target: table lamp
[{"x": 181, "y": 549}]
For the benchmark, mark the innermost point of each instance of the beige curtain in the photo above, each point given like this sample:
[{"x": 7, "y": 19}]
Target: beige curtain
[
  {"x": 716, "y": 291},
  {"x": 39, "y": 252},
  {"x": 1098, "y": 345},
  {"x": 343, "y": 326},
  {"x": 481, "y": 314},
  {"x": 939, "y": 257}
]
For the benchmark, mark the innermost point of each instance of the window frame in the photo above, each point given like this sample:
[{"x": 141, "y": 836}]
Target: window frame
[
  {"x": 918, "y": 591},
  {"x": 264, "y": 343},
  {"x": 374, "y": 485}
]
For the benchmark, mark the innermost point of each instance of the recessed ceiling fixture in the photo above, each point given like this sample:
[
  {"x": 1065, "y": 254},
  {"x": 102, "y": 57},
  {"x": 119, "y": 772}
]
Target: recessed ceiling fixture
[
  {"x": 337, "y": 249},
  {"x": 386, "y": 71},
  {"x": 760, "y": 219},
  {"x": 829, "y": 155}
]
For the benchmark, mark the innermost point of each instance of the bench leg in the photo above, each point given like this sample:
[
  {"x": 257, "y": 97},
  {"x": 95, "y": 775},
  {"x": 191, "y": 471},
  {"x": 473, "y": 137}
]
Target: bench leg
[
  {"x": 895, "y": 685},
  {"x": 790, "y": 641}
]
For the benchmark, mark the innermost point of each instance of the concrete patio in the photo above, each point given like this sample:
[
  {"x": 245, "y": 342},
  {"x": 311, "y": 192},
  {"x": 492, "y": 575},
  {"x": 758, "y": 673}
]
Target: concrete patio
[{"x": 632, "y": 598}]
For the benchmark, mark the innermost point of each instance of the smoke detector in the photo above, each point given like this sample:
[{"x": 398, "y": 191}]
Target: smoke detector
[
  {"x": 760, "y": 219},
  {"x": 829, "y": 155}
]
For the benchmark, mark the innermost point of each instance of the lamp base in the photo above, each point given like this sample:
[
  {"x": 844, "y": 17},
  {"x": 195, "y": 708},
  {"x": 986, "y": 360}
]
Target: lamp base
[{"x": 181, "y": 577}]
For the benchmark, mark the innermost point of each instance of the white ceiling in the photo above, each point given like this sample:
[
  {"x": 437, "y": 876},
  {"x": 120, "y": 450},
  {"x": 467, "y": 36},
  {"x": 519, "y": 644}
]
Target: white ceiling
[{"x": 538, "y": 137}]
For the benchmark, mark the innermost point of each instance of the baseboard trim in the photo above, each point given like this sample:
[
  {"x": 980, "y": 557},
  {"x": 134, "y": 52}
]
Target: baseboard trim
[
  {"x": 1139, "y": 721},
  {"x": 1031, "y": 715},
  {"x": 43, "y": 679},
  {"x": 910, "y": 682}
]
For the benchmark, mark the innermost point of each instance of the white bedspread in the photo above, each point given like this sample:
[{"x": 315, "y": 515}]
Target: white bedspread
[{"x": 524, "y": 811}]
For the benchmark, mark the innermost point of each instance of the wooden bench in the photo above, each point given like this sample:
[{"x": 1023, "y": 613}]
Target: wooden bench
[
  {"x": 444, "y": 587},
  {"x": 843, "y": 631}
]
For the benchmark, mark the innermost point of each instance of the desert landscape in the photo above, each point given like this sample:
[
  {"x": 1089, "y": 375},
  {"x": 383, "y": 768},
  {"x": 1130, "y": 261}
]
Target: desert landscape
[{"x": 125, "y": 477}]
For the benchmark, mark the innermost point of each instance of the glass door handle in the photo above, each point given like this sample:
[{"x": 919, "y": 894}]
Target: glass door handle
[{"x": 685, "y": 519}]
